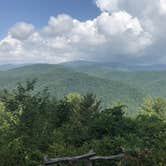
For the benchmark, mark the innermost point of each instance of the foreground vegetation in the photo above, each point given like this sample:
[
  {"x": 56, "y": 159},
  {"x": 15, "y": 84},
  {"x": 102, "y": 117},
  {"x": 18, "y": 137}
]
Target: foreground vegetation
[{"x": 34, "y": 124}]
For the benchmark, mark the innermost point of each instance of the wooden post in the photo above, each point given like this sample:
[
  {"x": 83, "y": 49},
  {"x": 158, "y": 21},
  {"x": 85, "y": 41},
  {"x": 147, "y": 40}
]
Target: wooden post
[
  {"x": 45, "y": 159},
  {"x": 89, "y": 163}
]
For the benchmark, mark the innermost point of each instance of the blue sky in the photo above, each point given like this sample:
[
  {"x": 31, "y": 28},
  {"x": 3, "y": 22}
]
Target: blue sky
[
  {"x": 55, "y": 31},
  {"x": 37, "y": 12}
]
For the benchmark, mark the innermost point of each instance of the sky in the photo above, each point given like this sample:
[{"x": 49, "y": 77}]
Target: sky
[
  {"x": 56, "y": 31},
  {"x": 37, "y": 12}
]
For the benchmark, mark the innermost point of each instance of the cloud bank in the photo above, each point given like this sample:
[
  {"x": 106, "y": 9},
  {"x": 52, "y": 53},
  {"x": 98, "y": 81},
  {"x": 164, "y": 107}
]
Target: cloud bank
[{"x": 125, "y": 30}]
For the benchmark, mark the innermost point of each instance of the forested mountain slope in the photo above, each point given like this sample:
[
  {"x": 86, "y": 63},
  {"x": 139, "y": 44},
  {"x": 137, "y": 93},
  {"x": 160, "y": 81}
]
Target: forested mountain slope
[
  {"x": 61, "y": 81},
  {"x": 151, "y": 80}
]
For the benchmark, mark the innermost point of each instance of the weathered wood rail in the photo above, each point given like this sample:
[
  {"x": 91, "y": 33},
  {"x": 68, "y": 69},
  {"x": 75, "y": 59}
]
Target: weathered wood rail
[{"x": 90, "y": 158}]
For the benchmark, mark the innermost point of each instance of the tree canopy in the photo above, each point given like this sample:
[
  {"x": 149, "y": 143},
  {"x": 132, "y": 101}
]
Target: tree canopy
[{"x": 33, "y": 124}]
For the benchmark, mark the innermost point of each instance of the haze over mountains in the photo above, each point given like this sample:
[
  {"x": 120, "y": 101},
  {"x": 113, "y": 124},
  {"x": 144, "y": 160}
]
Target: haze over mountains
[
  {"x": 116, "y": 66},
  {"x": 6, "y": 67},
  {"x": 107, "y": 65},
  {"x": 110, "y": 82}
]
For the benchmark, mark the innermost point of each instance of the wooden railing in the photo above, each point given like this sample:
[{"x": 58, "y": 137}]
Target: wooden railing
[{"x": 90, "y": 158}]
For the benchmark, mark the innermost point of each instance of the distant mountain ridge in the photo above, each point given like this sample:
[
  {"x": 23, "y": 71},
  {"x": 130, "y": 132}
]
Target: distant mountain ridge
[
  {"x": 118, "y": 66},
  {"x": 108, "y": 65},
  {"x": 6, "y": 67},
  {"x": 151, "y": 78}
]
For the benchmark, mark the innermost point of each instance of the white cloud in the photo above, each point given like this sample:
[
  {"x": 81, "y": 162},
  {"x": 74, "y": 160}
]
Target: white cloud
[
  {"x": 163, "y": 6},
  {"x": 125, "y": 30},
  {"x": 58, "y": 25},
  {"x": 21, "y": 30},
  {"x": 108, "y": 5},
  {"x": 118, "y": 23}
]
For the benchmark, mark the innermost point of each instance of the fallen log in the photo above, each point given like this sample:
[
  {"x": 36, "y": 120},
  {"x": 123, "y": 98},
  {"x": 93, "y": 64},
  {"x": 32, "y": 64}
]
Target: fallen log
[{"x": 106, "y": 157}]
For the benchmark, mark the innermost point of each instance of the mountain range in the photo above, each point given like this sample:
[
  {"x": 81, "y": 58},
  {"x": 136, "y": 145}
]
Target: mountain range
[{"x": 111, "y": 82}]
